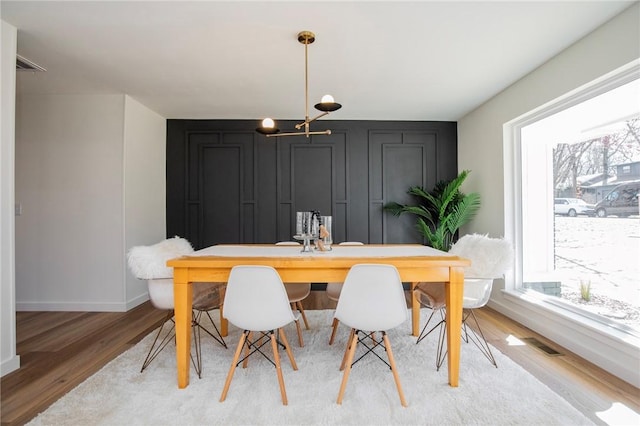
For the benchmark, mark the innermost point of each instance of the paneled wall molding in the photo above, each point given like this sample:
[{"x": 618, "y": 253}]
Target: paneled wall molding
[{"x": 228, "y": 184}]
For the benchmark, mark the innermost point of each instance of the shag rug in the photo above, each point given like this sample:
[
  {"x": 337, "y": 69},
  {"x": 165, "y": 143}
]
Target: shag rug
[{"x": 120, "y": 395}]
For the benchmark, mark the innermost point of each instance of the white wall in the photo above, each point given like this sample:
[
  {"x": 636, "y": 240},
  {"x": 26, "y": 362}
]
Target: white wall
[
  {"x": 9, "y": 361},
  {"x": 73, "y": 180},
  {"x": 69, "y": 180},
  {"x": 480, "y": 149},
  {"x": 145, "y": 183}
]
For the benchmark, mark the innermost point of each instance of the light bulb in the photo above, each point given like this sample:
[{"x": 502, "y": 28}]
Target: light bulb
[
  {"x": 327, "y": 99},
  {"x": 268, "y": 123}
]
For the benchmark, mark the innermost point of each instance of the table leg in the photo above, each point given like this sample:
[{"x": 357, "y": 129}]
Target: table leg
[
  {"x": 182, "y": 297},
  {"x": 415, "y": 312},
  {"x": 454, "y": 289}
]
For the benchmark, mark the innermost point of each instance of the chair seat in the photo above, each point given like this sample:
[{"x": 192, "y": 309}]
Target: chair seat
[
  {"x": 255, "y": 301},
  {"x": 149, "y": 263},
  {"x": 206, "y": 296},
  {"x": 431, "y": 295},
  {"x": 490, "y": 258},
  {"x": 333, "y": 291},
  {"x": 297, "y": 292},
  {"x": 372, "y": 300}
]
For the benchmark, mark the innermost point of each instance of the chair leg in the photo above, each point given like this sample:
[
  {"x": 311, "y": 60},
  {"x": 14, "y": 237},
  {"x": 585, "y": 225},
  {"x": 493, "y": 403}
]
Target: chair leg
[
  {"x": 346, "y": 350},
  {"x": 468, "y": 333},
  {"x": 304, "y": 317},
  {"x": 245, "y": 363},
  {"x": 276, "y": 358},
  {"x": 232, "y": 369},
  {"x": 442, "y": 353},
  {"x": 422, "y": 333},
  {"x": 283, "y": 337},
  {"x": 353, "y": 342},
  {"x": 299, "y": 331},
  {"x": 217, "y": 338},
  {"x": 156, "y": 347},
  {"x": 334, "y": 326},
  {"x": 479, "y": 339},
  {"x": 392, "y": 362}
]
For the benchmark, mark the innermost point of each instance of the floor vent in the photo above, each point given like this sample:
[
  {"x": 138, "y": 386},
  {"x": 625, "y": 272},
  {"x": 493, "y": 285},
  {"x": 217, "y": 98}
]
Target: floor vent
[{"x": 538, "y": 344}]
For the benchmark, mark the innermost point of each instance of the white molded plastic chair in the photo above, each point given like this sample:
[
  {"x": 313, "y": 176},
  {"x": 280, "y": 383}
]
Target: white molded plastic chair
[
  {"x": 149, "y": 263},
  {"x": 256, "y": 301},
  {"x": 372, "y": 300},
  {"x": 297, "y": 292},
  {"x": 490, "y": 259},
  {"x": 333, "y": 292}
]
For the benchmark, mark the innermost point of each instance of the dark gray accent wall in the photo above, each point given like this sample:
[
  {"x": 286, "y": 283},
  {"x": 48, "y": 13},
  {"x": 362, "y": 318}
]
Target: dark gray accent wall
[{"x": 228, "y": 184}]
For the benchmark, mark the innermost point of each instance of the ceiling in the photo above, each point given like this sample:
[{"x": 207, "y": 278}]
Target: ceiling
[{"x": 383, "y": 60}]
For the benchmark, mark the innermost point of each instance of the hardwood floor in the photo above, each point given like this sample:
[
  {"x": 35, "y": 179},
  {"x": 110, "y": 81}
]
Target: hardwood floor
[{"x": 59, "y": 350}]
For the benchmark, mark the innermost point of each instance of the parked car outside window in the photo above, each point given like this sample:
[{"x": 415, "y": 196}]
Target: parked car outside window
[
  {"x": 571, "y": 207},
  {"x": 622, "y": 201}
]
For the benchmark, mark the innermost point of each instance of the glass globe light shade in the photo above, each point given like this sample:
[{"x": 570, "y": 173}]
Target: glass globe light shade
[
  {"x": 327, "y": 99},
  {"x": 268, "y": 123}
]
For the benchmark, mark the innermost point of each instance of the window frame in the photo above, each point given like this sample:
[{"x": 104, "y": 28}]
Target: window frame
[{"x": 612, "y": 349}]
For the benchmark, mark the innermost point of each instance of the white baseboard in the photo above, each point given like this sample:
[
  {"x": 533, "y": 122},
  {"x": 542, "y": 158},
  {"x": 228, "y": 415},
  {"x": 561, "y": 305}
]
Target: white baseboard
[
  {"x": 82, "y": 306},
  {"x": 615, "y": 355},
  {"x": 139, "y": 300},
  {"x": 10, "y": 365},
  {"x": 71, "y": 306}
]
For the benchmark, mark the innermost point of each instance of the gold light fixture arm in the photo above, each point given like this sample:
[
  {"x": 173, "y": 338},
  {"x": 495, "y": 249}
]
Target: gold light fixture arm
[
  {"x": 300, "y": 125},
  {"x": 325, "y": 132}
]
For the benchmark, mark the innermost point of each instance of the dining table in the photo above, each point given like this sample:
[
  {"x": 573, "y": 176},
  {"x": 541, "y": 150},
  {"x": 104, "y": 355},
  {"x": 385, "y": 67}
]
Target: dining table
[{"x": 415, "y": 264}]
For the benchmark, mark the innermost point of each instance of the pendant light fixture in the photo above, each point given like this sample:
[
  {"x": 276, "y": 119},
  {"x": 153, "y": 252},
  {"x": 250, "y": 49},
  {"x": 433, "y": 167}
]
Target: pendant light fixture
[{"x": 327, "y": 104}]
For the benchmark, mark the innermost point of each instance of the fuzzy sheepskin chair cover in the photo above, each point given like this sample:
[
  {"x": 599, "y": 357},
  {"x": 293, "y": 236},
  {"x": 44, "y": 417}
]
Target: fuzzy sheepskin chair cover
[
  {"x": 490, "y": 257},
  {"x": 150, "y": 262}
]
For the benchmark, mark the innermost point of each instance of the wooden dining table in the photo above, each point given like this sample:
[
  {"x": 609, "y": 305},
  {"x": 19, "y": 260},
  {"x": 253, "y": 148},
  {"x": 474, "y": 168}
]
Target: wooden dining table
[{"x": 415, "y": 264}]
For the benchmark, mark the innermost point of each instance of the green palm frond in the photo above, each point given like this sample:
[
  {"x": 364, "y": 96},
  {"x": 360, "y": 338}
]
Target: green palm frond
[{"x": 441, "y": 211}]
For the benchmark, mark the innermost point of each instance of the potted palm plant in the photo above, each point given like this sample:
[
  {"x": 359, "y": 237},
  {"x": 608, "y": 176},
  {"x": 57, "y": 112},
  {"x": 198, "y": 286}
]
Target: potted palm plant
[{"x": 441, "y": 211}]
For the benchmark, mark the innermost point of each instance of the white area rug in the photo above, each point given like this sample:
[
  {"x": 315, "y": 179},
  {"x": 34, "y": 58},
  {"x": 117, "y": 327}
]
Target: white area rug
[{"x": 120, "y": 395}]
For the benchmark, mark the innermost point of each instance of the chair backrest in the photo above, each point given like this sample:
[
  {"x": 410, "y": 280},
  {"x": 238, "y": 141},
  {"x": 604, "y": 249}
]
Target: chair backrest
[
  {"x": 150, "y": 262},
  {"x": 490, "y": 257},
  {"x": 372, "y": 298},
  {"x": 255, "y": 299}
]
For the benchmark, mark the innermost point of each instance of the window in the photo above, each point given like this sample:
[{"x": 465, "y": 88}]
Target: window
[{"x": 581, "y": 149}]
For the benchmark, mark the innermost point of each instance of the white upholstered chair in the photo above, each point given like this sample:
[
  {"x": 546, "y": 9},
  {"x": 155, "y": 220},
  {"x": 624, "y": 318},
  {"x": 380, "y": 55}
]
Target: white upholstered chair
[
  {"x": 149, "y": 263},
  {"x": 372, "y": 300},
  {"x": 256, "y": 301},
  {"x": 333, "y": 292},
  {"x": 297, "y": 292},
  {"x": 490, "y": 259}
]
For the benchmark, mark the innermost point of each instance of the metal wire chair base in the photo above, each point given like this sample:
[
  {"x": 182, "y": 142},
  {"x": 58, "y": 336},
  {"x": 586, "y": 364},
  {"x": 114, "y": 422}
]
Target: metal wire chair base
[
  {"x": 160, "y": 343},
  {"x": 363, "y": 337},
  {"x": 257, "y": 344},
  {"x": 441, "y": 322},
  {"x": 468, "y": 334}
]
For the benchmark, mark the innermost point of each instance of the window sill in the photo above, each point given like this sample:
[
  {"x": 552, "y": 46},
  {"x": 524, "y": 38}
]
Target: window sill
[{"x": 569, "y": 312}]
